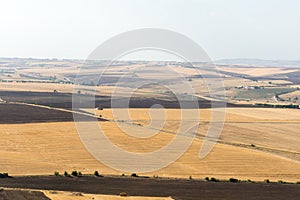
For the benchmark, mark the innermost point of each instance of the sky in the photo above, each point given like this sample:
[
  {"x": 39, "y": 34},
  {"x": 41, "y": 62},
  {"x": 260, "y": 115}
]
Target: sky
[{"x": 225, "y": 29}]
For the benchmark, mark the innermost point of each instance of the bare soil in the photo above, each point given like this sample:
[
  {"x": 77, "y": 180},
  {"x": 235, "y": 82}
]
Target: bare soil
[
  {"x": 15, "y": 114},
  {"x": 155, "y": 187},
  {"x": 64, "y": 100}
]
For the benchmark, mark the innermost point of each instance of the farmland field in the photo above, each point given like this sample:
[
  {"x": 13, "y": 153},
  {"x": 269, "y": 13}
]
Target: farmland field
[
  {"x": 232, "y": 156},
  {"x": 39, "y": 136},
  {"x": 263, "y": 93}
]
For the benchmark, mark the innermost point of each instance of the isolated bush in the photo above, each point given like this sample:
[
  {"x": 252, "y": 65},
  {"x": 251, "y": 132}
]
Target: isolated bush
[
  {"x": 4, "y": 175},
  {"x": 74, "y": 173},
  {"x": 96, "y": 173},
  {"x": 282, "y": 182},
  {"x": 56, "y": 173},
  {"x": 233, "y": 180},
  {"x": 134, "y": 175},
  {"x": 253, "y": 145},
  {"x": 298, "y": 182},
  {"x": 190, "y": 177},
  {"x": 66, "y": 174},
  {"x": 214, "y": 179},
  {"x": 79, "y": 174},
  {"x": 207, "y": 178},
  {"x": 267, "y": 181}
]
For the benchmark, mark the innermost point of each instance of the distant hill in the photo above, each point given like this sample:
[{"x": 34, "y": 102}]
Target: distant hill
[{"x": 260, "y": 62}]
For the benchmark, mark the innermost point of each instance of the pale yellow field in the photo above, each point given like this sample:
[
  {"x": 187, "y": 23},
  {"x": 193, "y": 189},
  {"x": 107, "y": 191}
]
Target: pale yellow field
[
  {"x": 47, "y": 147},
  {"x": 58, "y": 195},
  {"x": 63, "y": 195},
  {"x": 69, "y": 88},
  {"x": 292, "y": 96},
  {"x": 260, "y": 71},
  {"x": 278, "y": 82},
  {"x": 36, "y": 87}
]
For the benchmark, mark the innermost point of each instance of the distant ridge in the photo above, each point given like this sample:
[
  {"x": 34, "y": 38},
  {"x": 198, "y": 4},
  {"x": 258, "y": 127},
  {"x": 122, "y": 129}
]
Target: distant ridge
[{"x": 259, "y": 62}]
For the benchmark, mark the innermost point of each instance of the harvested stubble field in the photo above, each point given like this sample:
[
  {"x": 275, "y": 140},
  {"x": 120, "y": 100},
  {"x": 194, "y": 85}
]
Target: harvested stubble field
[
  {"x": 42, "y": 148},
  {"x": 34, "y": 194},
  {"x": 258, "y": 71}
]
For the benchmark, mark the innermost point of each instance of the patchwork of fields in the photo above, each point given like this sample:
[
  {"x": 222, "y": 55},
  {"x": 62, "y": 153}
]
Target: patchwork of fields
[{"x": 258, "y": 142}]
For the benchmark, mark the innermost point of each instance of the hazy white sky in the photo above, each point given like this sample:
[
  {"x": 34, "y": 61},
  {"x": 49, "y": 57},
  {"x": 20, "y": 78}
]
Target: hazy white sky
[{"x": 267, "y": 29}]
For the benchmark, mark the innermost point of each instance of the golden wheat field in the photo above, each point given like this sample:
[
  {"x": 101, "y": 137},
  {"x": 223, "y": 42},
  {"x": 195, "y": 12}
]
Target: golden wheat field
[
  {"x": 259, "y": 71},
  {"x": 69, "y": 88},
  {"x": 42, "y": 148}
]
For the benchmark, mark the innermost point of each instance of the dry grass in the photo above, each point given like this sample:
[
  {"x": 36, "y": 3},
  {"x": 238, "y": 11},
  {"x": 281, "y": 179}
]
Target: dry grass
[
  {"x": 260, "y": 71},
  {"x": 47, "y": 147},
  {"x": 291, "y": 96},
  {"x": 36, "y": 87},
  {"x": 278, "y": 82},
  {"x": 63, "y": 195},
  {"x": 58, "y": 195},
  {"x": 69, "y": 88}
]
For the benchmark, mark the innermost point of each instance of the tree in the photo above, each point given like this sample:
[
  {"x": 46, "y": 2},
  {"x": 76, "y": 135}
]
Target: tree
[
  {"x": 66, "y": 174},
  {"x": 74, "y": 173},
  {"x": 96, "y": 173},
  {"x": 233, "y": 180}
]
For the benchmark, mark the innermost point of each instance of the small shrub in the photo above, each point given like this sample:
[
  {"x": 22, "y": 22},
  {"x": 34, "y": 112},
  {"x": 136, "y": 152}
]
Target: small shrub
[
  {"x": 233, "y": 180},
  {"x": 280, "y": 181},
  {"x": 212, "y": 179},
  {"x": 283, "y": 182},
  {"x": 134, "y": 175},
  {"x": 298, "y": 182},
  {"x": 207, "y": 178},
  {"x": 79, "y": 174},
  {"x": 96, "y": 173},
  {"x": 66, "y": 174},
  {"x": 74, "y": 173},
  {"x": 123, "y": 174},
  {"x": 4, "y": 175},
  {"x": 56, "y": 173},
  {"x": 267, "y": 181},
  {"x": 249, "y": 181},
  {"x": 252, "y": 145},
  {"x": 190, "y": 177}
]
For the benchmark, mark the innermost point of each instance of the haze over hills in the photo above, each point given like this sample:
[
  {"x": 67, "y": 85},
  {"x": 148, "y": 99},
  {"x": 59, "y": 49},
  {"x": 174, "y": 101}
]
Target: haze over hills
[{"x": 259, "y": 62}]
